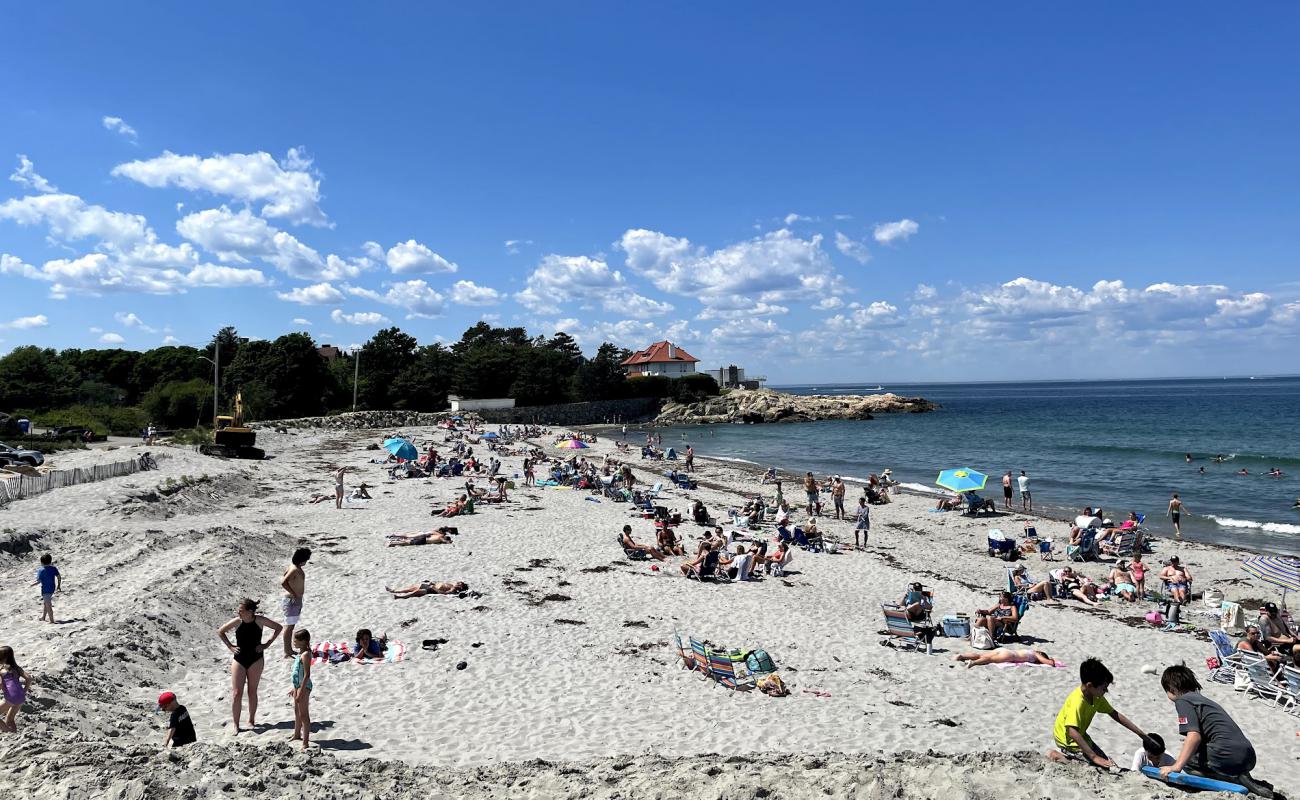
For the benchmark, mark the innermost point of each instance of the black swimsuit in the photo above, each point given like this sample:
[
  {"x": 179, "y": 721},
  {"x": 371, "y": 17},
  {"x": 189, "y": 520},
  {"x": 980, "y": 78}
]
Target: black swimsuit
[{"x": 248, "y": 637}]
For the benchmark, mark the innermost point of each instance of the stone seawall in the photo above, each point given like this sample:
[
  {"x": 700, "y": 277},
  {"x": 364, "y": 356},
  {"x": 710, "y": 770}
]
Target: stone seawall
[{"x": 637, "y": 409}]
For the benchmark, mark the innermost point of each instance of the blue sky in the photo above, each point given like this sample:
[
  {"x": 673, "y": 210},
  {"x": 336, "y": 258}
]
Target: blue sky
[{"x": 844, "y": 192}]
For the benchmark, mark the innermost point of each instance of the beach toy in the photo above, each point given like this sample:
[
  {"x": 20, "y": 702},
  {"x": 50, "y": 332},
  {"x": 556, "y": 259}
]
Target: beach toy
[
  {"x": 1194, "y": 781},
  {"x": 654, "y": 567},
  {"x": 1148, "y": 669}
]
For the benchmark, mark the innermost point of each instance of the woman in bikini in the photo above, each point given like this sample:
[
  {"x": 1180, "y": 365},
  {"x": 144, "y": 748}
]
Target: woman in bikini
[
  {"x": 427, "y": 587},
  {"x": 246, "y": 666},
  {"x": 1003, "y": 655},
  {"x": 438, "y": 536}
]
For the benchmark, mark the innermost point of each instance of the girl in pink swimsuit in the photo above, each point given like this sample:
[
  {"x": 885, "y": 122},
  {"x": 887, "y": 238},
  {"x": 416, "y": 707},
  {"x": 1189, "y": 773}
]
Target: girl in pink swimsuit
[
  {"x": 14, "y": 684},
  {"x": 1139, "y": 571}
]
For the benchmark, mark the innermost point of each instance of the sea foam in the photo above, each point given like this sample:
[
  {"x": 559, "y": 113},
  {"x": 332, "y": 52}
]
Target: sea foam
[{"x": 1271, "y": 527}]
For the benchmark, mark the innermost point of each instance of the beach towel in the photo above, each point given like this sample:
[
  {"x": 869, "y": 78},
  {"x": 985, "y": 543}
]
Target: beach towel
[{"x": 334, "y": 652}]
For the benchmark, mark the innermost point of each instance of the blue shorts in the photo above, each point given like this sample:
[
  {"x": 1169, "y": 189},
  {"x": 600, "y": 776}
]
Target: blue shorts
[{"x": 47, "y": 596}]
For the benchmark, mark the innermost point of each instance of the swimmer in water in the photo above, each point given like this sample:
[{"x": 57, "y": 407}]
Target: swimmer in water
[
  {"x": 1242, "y": 471},
  {"x": 1219, "y": 459},
  {"x": 1202, "y": 470},
  {"x": 1189, "y": 458},
  {"x": 1275, "y": 473}
]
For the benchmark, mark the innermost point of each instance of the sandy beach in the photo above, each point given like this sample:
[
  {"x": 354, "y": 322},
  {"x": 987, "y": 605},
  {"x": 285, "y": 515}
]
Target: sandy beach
[{"x": 571, "y": 685}]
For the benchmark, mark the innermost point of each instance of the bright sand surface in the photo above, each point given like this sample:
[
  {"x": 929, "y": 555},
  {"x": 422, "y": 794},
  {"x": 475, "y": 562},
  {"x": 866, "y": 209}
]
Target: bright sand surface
[{"x": 568, "y": 646}]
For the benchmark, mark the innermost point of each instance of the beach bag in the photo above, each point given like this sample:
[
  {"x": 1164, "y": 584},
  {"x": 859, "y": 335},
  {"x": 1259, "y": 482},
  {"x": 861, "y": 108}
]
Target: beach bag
[
  {"x": 759, "y": 662},
  {"x": 981, "y": 639},
  {"x": 1231, "y": 616},
  {"x": 1213, "y": 598},
  {"x": 1155, "y": 618},
  {"x": 772, "y": 685},
  {"x": 1241, "y": 681}
]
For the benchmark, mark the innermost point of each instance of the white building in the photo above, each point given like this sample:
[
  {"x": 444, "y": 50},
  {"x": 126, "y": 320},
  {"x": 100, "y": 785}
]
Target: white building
[{"x": 462, "y": 404}]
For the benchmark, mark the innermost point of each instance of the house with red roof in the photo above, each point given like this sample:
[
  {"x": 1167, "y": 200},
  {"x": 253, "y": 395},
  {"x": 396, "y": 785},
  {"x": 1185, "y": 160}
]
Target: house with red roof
[{"x": 660, "y": 358}]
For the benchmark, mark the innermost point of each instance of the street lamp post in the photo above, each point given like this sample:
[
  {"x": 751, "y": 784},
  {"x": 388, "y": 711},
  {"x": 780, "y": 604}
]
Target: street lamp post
[
  {"x": 356, "y": 373},
  {"x": 216, "y": 377}
]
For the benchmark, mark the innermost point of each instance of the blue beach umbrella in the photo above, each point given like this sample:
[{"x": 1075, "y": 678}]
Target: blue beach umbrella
[
  {"x": 1277, "y": 570},
  {"x": 402, "y": 449},
  {"x": 963, "y": 479}
]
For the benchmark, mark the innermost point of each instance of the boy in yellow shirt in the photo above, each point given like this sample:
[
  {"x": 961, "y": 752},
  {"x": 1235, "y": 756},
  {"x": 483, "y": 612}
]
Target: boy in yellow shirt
[{"x": 1071, "y": 728}]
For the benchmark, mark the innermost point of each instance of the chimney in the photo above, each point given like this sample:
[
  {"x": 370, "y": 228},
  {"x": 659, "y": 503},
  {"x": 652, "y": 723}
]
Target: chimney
[{"x": 672, "y": 353}]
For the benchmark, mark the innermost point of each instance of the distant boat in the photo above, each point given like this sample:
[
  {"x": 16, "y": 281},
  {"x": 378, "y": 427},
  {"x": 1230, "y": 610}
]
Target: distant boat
[{"x": 879, "y": 388}]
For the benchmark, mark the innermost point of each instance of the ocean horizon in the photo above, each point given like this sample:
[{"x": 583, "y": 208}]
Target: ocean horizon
[{"x": 1118, "y": 444}]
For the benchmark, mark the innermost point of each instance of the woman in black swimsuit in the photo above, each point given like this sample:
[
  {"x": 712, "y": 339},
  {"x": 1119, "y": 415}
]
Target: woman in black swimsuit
[{"x": 246, "y": 668}]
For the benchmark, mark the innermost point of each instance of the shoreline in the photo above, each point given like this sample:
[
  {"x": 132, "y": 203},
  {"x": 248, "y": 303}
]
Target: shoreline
[{"x": 570, "y": 668}]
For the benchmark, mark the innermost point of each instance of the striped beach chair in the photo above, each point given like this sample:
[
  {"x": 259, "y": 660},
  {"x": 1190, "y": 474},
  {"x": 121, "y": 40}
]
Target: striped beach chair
[
  {"x": 900, "y": 630},
  {"x": 729, "y": 669},
  {"x": 700, "y": 655}
]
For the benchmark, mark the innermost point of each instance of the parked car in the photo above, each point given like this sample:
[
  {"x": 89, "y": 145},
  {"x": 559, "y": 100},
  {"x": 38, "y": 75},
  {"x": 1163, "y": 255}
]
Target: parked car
[{"x": 33, "y": 458}]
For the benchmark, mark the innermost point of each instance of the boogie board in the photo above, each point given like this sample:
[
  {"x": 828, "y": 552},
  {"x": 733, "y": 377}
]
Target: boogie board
[{"x": 1194, "y": 781}]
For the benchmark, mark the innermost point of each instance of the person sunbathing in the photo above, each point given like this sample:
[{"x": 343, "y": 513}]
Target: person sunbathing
[
  {"x": 778, "y": 558},
  {"x": 456, "y": 507},
  {"x": 1003, "y": 655},
  {"x": 948, "y": 503},
  {"x": 669, "y": 543},
  {"x": 630, "y": 544},
  {"x": 1071, "y": 584},
  {"x": 427, "y": 587},
  {"x": 439, "y": 536},
  {"x": 1034, "y": 591},
  {"x": 1179, "y": 579},
  {"x": 366, "y": 646},
  {"x": 1000, "y": 617},
  {"x": 1254, "y": 643},
  {"x": 1122, "y": 580}
]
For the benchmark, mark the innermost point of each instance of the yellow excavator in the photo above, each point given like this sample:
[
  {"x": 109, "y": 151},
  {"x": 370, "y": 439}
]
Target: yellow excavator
[{"x": 231, "y": 439}]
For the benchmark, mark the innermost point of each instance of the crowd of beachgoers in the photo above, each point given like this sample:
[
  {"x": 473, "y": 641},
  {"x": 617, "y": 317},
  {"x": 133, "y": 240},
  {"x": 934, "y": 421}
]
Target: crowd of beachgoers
[{"x": 626, "y": 507}]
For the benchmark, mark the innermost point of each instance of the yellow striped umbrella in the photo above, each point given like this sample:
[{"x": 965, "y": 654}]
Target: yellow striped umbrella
[{"x": 1277, "y": 570}]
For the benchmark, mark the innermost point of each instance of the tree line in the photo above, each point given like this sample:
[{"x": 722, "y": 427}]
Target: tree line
[{"x": 120, "y": 391}]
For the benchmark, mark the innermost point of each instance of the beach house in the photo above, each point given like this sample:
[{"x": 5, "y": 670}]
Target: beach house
[{"x": 660, "y": 358}]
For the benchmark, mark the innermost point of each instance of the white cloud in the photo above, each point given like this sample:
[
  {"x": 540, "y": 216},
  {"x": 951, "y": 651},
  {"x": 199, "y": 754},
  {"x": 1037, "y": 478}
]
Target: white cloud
[
  {"x": 128, "y": 319},
  {"x": 69, "y": 218},
  {"x": 792, "y": 218},
  {"x": 879, "y": 314},
  {"x": 777, "y": 267},
  {"x": 628, "y": 333},
  {"x": 560, "y": 279},
  {"x": 415, "y": 296},
  {"x": 220, "y": 277},
  {"x": 111, "y": 338},
  {"x": 843, "y": 217},
  {"x": 468, "y": 293},
  {"x": 300, "y": 321},
  {"x": 319, "y": 294},
  {"x": 26, "y": 175},
  {"x": 512, "y": 245},
  {"x": 749, "y": 331},
  {"x": 241, "y": 237},
  {"x": 411, "y": 257},
  {"x": 288, "y": 190},
  {"x": 852, "y": 248},
  {"x": 829, "y": 303},
  {"x": 118, "y": 125},
  {"x": 757, "y": 310},
  {"x": 359, "y": 318},
  {"x": 169, "y": 339},
  {"x": 26, "y": 323},
  {"x": 890, "y": 232},
  {"x": 924, "y": 292}
]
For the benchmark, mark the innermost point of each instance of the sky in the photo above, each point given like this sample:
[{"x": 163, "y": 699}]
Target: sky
[{"x": 857, "y": 192}]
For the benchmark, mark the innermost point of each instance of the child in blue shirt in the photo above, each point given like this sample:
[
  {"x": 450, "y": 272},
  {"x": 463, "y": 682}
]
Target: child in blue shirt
[{"x": 51, "y": 581}]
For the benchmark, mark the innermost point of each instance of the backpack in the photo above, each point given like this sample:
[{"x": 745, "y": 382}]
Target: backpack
[
  {"x": 759, "y": 662},
  {"x": 981, "y": 639}
]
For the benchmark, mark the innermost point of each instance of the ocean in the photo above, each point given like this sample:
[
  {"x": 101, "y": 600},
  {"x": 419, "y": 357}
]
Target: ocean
[{"x": 1118, "y": 444}]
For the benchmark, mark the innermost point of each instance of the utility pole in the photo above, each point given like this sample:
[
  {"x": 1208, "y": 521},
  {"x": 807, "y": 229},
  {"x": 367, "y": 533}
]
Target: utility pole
[
  {"x": 216, "y": 380},
  {"x": 356, "y": 373}
]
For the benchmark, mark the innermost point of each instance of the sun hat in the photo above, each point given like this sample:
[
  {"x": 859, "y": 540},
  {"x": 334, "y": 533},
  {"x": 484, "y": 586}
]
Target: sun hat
[
  {"x": 887, "y": 471},
  {"x": 165, "y": 699}
]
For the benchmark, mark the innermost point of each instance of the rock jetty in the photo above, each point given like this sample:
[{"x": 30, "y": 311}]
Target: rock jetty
[
  {"x": 767, "y": 405},
  {"x": 366, "y": 420}
]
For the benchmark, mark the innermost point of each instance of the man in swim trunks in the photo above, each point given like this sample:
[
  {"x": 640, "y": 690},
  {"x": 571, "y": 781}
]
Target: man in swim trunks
[
  {"x": 810, "y": 489},
  {"x": 1275, "y": 633},
  {"x": 1176, "y": 509},
  {"x": 439, "y": 536},
  {"x": 1179, "y": 579},
  {"x": 293, "y": 583},
  {"x": 1006, "y": 491}
]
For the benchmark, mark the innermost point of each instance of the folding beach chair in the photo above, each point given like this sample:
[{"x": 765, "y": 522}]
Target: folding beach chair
[
  {"x": 1124, "y": 545},
  {"x": 1290, "y": 677},
  {"x": 729, "y": 670},
  {"x": 902, "y": 633},
  {"x": 684, "y": 652},
  {"x": 700, "y": 656},
  {"x": 632, "y": 555},
  {"x": 708, "y": 570},
  {"x": 1086, "y": 549},
  {"x": 1229, "y": 660},
  {"x": 1261, "y": 677}
]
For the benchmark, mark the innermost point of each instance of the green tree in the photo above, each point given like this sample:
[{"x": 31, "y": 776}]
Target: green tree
[
  {"x": 178, "y": 404},
  {"x": 602, "y": 377},
  {"x": 167, "y": 365},
  {"x": 390, "y": 353},
  {"x": 35, "y": 378}
]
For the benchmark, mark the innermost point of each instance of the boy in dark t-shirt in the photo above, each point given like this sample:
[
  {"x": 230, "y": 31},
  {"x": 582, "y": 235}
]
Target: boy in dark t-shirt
[
  {"x": 1213, "y": 745},
  {"x": 180, "y": 728}
]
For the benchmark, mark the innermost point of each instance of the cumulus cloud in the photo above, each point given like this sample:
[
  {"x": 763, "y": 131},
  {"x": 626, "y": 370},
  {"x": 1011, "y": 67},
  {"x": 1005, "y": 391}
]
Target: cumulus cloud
[
  {"x": 924, "y": 292},
  {"x": 69, "y": 218},
  {"x": 111, "y": 338},
  {"x": 241, "y": 237},
  {"x": 26, "y": 175},
  {"x": 792, "y": 218},
  {"x": 412, "y": 258},
  {"x": 629, "y": 333},
  {"x": 128, "y": 319},
  {"x": 289, "y": 190},
  {"x": 852, "y": 248},
  {"x": 829, "y": 303},
  {"x": 118, "y": 125},
  {"x": 300, "y": 321},
  {"x": 558, "y": 279},
  {"x": 415, "y": 296},
  {"x": 319, "y": 294},
  {"x": 777, "y": 267},
  {"x": 512, "y": 245},
  {"x": 169, "y": 339},
  {"x": 217, "y": 276},
  {"x": 468, "y": 293},
  {"x": 373, "y": 318},
  {"x": 26, "y": 323},
  {"x": 879, "y": 314},
  {"x": 890, "y": 232}
]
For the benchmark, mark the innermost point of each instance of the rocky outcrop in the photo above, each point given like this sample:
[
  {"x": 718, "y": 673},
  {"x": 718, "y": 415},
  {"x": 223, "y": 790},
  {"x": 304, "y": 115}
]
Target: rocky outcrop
[{"x": 766, "y": 405}]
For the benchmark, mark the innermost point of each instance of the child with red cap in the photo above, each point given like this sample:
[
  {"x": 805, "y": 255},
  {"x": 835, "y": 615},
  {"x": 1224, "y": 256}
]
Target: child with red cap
[{"x": 180, "y": 729}]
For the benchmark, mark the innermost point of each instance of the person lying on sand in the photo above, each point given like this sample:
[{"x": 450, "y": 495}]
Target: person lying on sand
[
  {"x": 455, "y": 508},
  {"x": 438, "y": 536},
  {"x": 367, "y": 646},
  {"x": 427, "y": 587},
  {"x": 317, "y": 497},
  {"x": 1004, "y": 655},
  {"x": 948, "y": 503},
  {"x": 630, "y": 544}
]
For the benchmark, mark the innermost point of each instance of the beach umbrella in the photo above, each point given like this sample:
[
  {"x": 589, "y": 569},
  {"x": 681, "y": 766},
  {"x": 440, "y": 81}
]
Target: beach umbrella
[
  {"x": 572, "y": 444},
  {"x": 962, "y": 480},
  {"x": 402, "y": 449},
  {"x": 1277, "y": 570}
]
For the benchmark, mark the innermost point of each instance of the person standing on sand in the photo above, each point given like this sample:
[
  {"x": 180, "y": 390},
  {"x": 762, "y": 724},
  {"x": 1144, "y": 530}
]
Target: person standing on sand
[
  {"x": 51, "y": 581},
  {"x": 293, "y": 583},
  {"x": 690, "y": 458},
  {"x": 810, "y": 490},
  {"x": 1006, "y": 491},
  {"x": 1026, "y": 500},
  {"x": 246, "y": 666},
  {"x": 837, "y": 496},
  {"x": 338, "y": 486},
  {"x": 862, "y": 523},
  {"x": 1176, "y": 509}
]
